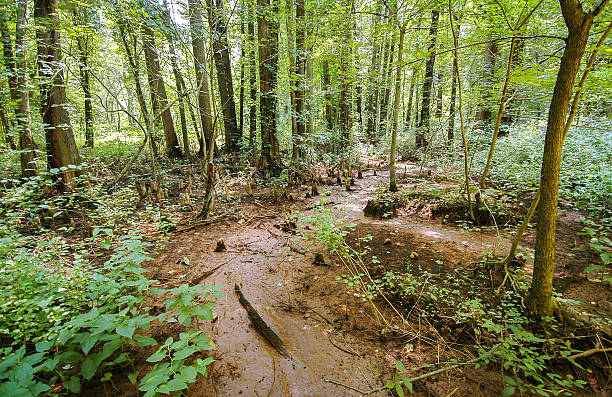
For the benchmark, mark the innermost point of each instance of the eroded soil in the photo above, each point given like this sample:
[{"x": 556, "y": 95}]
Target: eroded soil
[{"x": 330, "y": 333}]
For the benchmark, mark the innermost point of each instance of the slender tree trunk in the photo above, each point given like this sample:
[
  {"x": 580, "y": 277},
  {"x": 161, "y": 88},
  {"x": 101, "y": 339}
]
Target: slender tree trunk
[
  {"x": 453, "y": 100},
  {"x": 512, "y": 109},
  {"x": 6, "y": 126},
  {"x": 483, "y": 115},
  {"x": 328, "y": 98},
  {"x": 466, "y": 169},
  {"x": 384, "y": 109},
  {"x": 410, "y": 100},
  {"x": 372, "y": 99},
  {"x": 252, "y": 82},
  {"x": 241, "y": 98},
  {"x": 500, "y": 113},
  {"x": 267, "y": 30},
  {"x": 423, "y": 126},
  {"x": 17, "y": 76},
  {"x": 62, "y": 150},
  {"x": 83, "y": 43},
  {"x": 218, "y": 24},
  {"x": 300, "y": 71},
  {"x": 578, "y": 22},
  {"x": 345, "y": 66},
  {"x": 178, "y": 78},
  {"x": 201, "y": 72},
  {"x": 396, "y": 109},
  {"x": 308, "y": 92},
  {"x": 291, "y": 45},
  {"x": 439, "y": 92},
  {"x": 158, "y": 93}
]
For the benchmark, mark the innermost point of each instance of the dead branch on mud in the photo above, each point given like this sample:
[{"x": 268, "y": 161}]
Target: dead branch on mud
[
  {"x": 260, "y": 325},
  {"x": 204, "y": 275}
]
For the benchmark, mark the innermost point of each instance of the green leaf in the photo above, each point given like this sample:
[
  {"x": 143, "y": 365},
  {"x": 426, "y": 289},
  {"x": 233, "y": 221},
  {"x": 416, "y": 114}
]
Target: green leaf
[
  {"x": 407, "y": 383},
  {"x": 400, "y": 366},
  {"x": 73, "y": 385},
  {"x": 184, "y": 353},
  {"x": 389, "y": 384},
  {"x": 508, "y": 391},
  {"x": 176, "y": 385},
  {"x": 509, "y": 380},
  {"x": 126, "y": 330},
  {"x": 399, "y": 390},
  {"x": 90, "y": 366},
  {"x": 142, "y": 340},
  {"x": 157, "y": 356}
]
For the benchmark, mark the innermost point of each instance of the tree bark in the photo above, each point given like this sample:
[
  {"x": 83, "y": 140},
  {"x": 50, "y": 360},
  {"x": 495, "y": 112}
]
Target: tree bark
[
  {"x": 18, "y": 84},
  {"x": 300, "y": 71},
  {"x": 252, "y": 82},
  {"x": 328, "y": 98},
  {"x": 423, "y": 126},
  {"x": 396, "y": 109},
  {"x": 372, "y": 99},
  {"x": 483, "y": 115},
  {"x": 178, "y": 78},
  {"x": 453, "y": 100},
  {"x": 267, "y": 31},
  {"x": 218, "y": 25},
  {"x": 83, "y": 43},
  {"x": 62, "y": 151},
  {"x": 158, "y": 93},
  {"x": 408, "y": 121},
  {"x": 578, "y": 22},
  {"x": 201, "y": 72}
]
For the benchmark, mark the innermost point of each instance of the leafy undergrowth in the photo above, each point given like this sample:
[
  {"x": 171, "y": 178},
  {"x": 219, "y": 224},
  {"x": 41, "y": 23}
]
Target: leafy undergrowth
[
  {"x": 74, "y": 311},
  {"x": 466, "y": 309}
]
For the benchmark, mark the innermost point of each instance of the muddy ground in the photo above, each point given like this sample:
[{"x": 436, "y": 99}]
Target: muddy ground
[{"x": 333, "y": 338}]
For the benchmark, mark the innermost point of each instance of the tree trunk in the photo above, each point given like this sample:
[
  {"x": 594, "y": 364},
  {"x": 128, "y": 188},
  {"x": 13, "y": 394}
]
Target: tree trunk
[
  {"x": 328, "y": 98},
  {"x": 384, "y": 109},
  {"x": 267, "y": 30},
  {"x": 483, "y": 115},
  {"x": 62, "y": 150},
  {"x": 241, "y": 94},
  {"x": 345, "y": 66},
  {"x": 218, "y": 25},
  {"x": 423, "y": 126},
  {"x": 372, "y": 99},
  {"x": 540, "y": 302},
  {"x": 410, "y": 100},
  {"x": 291, "y": 44},
  {"x": 300, "y": 71},
  {"x": 134, "y": 64},
  {"x": 252, "y": 82},
  {"x": 83, "y": 43},
  {"x": 396, "y": 109},
  {"x": 158, "y": 93},
  {"x": 201, "y": 72},
  {"x": 439, "y": 92},
  {"x": 178, "y": 78},
  {"x": 453, "y": 100},
  {"x": 17, "y": 76}
]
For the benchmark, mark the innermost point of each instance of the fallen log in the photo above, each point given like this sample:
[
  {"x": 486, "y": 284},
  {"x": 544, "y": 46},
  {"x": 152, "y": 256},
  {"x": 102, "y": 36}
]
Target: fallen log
[{"x": 260, "y": 325}]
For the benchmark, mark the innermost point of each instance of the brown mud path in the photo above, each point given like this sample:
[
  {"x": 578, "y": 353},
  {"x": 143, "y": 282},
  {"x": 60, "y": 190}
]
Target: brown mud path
[{"x": 329, "y": 333}]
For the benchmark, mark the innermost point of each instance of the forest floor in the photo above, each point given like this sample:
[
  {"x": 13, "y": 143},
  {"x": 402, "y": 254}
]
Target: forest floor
[{"x": 334, "y": 338}]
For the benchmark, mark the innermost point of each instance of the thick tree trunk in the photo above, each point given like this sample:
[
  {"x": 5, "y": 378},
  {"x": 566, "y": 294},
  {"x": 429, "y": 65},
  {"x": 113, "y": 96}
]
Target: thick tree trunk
[
  {"x": 201, "y": 72},
  {"x": 158, "y": 93},
  {"x": 540, "y": 302},
  {"x": 291, "y": 44},
  {"x": 267, "y": 29},
  {"x": 242, "y": 73},
  {"x": 62, "y": 150},
  {"x": 423, "y": 126},
  {"x": 218, "y": 25}
]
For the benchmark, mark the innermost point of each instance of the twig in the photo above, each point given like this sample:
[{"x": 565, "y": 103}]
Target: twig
[
  {"x": 590, "y": 353},
  {"x": 352, "y": 353}
]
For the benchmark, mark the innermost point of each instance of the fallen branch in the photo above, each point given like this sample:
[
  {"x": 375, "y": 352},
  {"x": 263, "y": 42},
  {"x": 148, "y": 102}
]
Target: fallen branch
[
  {"x": 260, "y": 325},
  {"x": 590, "y": 353},
  {"x": 204, "y": 275}
]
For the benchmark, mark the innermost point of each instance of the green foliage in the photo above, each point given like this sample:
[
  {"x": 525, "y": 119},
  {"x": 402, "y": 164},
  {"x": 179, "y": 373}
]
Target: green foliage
[
  {"x": 600, "y": 243},
  {"x": 65, "y": 320}
]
